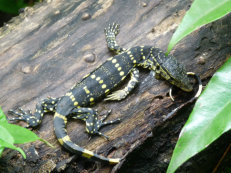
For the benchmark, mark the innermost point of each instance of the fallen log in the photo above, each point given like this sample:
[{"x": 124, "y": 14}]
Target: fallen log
[{"x": 52, "y": 45}]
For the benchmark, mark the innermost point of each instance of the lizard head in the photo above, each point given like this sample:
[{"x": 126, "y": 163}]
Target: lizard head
[
  {"x": 176, "y": 74},
  {"x": 168, "y": 68}
]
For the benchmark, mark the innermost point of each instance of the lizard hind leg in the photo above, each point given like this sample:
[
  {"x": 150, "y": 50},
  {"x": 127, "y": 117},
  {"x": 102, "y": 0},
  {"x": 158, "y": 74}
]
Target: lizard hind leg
[
  {"x": 60, "y": 122},
  {"x": 98, "y": 123},
  {"x": 93, "y": 123},
  {"x": 35, "y": 119},
  {"x": 22, "y": 115},
  {"x": 104, "y": 123},
  {"x": 49, "y": 104}
]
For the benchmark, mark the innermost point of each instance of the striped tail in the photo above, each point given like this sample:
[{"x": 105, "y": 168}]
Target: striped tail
[{"x": 60, "y": 122}]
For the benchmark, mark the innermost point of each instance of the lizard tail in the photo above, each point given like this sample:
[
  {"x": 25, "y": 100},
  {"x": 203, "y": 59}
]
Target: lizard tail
[{"x": 61, "y": 133}]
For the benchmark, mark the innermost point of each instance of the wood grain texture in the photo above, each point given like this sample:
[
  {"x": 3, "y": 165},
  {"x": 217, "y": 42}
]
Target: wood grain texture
[{"x": 49, "y": 47}]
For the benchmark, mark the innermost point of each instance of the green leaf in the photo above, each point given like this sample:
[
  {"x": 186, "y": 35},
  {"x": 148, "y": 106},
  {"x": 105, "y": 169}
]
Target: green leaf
[
  {"x": 10, "y": 145},
  {"x": 5, "y": 135},
  {"x": 46, "y": 142},
  {"x": 1, "y": 150},
  {"x": 210, "y": 118},
  {"x": 2, "y": 116},
  {"x": 20, "y": 134},
  {"x": 201, "y": 12},
  {"x": 10, "y": 134},
  {"x": 6, "y": 140},
  {"x": 11, "y": 6}
]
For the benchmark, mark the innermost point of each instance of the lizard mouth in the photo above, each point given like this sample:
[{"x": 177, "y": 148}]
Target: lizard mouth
[
  {"x": 185, "y": 89},
  {"x": 199, "y": 83}
]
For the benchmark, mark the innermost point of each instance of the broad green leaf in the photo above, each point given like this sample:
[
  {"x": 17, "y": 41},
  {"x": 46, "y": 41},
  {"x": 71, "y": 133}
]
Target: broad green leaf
[
  {"x": 201, "y": 12},
  {"x": 1, "y": 150},
  {"x": 11, "y": 146},
  {"x": 210, "y": 118},
  {"x": 2, "y": 116},
  {"x": 5, "y": 135},
  {"x": 6, "y": 140},
  {"x": 20, "y": 134},
  {"x": 10, "y": 134},
  {"x": 11, "y": 6}
]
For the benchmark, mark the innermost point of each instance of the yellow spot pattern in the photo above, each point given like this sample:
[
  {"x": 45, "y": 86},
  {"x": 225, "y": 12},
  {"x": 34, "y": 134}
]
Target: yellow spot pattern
[
  {"x": 87, "y": 153},
  {"x": 98, "y": 78},
  {"x": 68, "y": 94},
  {"x": 114, "y": 61},
  {"x": 66, "y": 138},
  {"x": 104, "y": 86},
  {"x": 114, "y": 161},
  {"x": 86, "y": 90},
  {"x": 109, "y": 59},
  {"x": 101, "y": 81},
  {"x": 121, "y": 73},
  {"x": 107, "y": 90},
  {"x": 60, "y": 141},
  {"x": 61, "y": 116},
  {"x": 93, "y": 76}
]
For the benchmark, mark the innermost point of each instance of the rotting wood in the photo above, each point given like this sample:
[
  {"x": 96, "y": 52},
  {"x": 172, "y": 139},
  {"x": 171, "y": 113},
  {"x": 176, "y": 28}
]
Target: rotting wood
[{"x": 51, "y": 46}]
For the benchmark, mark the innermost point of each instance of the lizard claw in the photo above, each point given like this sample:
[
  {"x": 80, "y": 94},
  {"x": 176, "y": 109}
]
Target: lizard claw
[{"x": 112, "y": 29}]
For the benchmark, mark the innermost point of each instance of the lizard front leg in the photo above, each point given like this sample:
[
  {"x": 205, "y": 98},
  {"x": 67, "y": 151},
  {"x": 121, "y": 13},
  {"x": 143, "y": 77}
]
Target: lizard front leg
[
  {"x": 121, "y": 94},
  {"x": 110, "y": 33}
]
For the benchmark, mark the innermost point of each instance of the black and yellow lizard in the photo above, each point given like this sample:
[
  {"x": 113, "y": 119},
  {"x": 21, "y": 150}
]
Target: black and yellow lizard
[{"x": 99, "y": 84}]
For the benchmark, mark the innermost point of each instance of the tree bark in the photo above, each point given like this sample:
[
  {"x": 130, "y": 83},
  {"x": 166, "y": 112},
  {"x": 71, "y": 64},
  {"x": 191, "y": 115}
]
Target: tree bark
[{"x": 51, "y": 46}]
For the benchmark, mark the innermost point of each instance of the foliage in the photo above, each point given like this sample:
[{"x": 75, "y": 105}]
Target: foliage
[
  {"x": 13, "y": 6},
  {"x": 211, "y": 115},
  {"x": 209, "y": 119},
  {"x": 201, "y": 12},
  {"x": 11, "y": 134}
]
